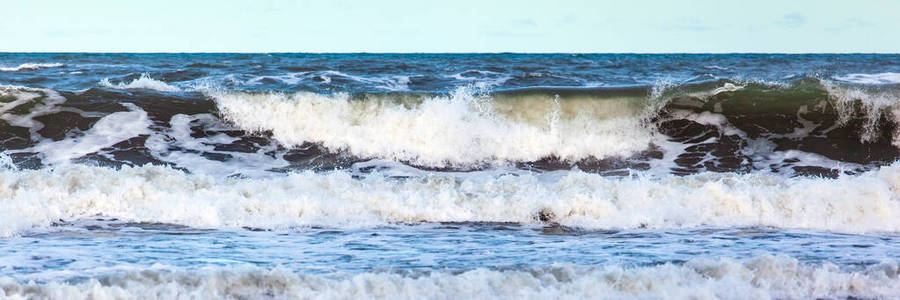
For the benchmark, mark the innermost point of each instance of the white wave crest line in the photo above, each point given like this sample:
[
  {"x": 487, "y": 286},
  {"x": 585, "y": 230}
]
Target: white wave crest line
[
  {"x": 494, "y": 79},
  {"x": 143, "y": 82},
  {"x": 394, "y": 83},
  {"x": 30, "y": 66},
  {"x": 871, "y": 79}
]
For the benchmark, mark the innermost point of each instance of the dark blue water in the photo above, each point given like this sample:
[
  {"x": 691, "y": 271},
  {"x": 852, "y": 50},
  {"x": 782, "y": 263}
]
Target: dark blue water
[{"x": 328, "y": 73}]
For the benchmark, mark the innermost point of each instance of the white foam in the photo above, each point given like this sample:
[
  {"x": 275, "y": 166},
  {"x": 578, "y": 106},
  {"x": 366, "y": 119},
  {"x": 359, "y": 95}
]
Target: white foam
[
  {"x": 30, "y": 66},
  {"x": 143, "y": 82},
  {"x": 109, "y": 130},
  {"x": 44, "y": 102},
  {"x": 460, "y": 129},
  {"x": 22, "y": 95},
  {"x": 394, "y": 83},
  {"x": 869, "y": 202},
  {"x": 662, "y": 87},
  {"x": 7, "y": 162},
  {"x": 762, "y": 277},
  {"x": 705, "y": 117},
  {"x": 291, "y": 78},
  {"x": 872, "y": 79},
  {"x": 487, "y": 79},
  {"x": 178, "y": 136}
]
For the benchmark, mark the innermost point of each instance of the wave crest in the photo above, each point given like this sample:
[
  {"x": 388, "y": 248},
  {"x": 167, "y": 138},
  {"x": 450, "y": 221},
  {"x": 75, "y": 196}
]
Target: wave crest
[
  {"x": 30, "y": 66},
  {"x": 871, "y": 79},
  {"x": 143, "y": 82}
]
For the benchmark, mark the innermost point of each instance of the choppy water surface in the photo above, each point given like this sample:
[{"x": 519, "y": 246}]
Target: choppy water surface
[{"x": 444, "y": 176}]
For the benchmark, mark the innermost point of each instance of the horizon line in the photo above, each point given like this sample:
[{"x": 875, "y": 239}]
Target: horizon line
[{"x": 448, "y": 52}]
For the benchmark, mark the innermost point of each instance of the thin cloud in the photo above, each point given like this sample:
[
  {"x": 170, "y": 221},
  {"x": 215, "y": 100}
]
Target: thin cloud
[
  {"x": 850, "y": 24},
  {"x": 792, "y": 20}
]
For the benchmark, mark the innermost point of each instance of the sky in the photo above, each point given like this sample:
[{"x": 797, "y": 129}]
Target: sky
[{"x": 450, "y": 26}]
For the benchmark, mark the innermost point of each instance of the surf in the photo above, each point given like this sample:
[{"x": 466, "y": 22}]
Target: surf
[{"x": 38, "y": 199}]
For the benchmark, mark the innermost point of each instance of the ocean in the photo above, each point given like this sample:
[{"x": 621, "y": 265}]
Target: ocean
[{"x": 449, "y": 176}]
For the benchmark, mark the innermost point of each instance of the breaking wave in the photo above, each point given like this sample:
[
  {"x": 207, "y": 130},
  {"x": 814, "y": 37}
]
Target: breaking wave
[
  {"x": 143, "y": 82},
  {"x": 754, "y": 125},
  {"x": 37, "y": 199},
  {"x": 811, "y": 127},
  {"x": 459, "y": 129}
]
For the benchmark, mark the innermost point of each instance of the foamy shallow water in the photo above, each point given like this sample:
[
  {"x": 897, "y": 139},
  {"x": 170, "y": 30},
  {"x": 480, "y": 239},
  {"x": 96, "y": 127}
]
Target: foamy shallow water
[{"x": 97, "y": 258}]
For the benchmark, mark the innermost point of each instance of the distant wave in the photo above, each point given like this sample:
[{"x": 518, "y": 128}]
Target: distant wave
[
  {"x": 481, "y": 78},
  {"x": 143, "y": 82},
  {"x": 761, "y": 277},
  {"x": 30, "y": 66},
  {"x": 878, "y": 78},
  {"x": 394, "y": 83},
  {"x": 715, "y": 67}
]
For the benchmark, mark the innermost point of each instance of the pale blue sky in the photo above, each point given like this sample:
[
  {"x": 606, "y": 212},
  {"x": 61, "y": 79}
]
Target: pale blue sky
[{"x": 450, "y": 26}]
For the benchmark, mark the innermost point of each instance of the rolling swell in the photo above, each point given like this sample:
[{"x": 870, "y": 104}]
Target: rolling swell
[{"x": 808, "y": 127}]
